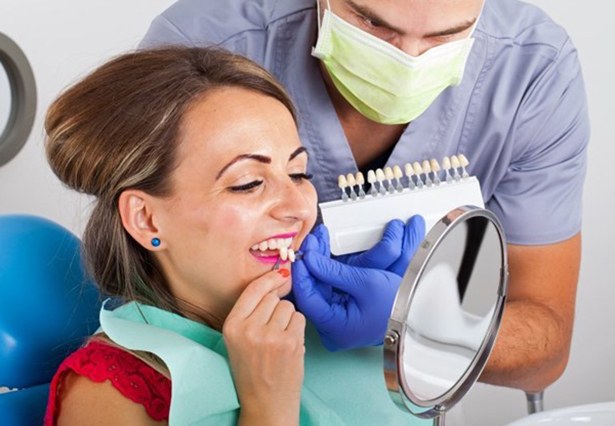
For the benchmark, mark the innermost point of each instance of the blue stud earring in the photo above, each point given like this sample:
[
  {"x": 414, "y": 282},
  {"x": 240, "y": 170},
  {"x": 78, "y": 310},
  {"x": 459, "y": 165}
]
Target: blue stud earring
[{"x": 155, "y": 241}]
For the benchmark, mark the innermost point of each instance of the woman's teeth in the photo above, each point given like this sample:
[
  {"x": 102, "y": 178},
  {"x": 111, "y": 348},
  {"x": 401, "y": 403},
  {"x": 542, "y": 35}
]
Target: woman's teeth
[{"x": 280, "y": 244}]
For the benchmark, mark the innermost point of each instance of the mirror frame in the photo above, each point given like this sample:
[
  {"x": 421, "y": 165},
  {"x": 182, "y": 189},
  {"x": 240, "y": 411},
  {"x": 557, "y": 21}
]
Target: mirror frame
[
  {"x": 395, "y": 381},
  {"x": 23, "y": 99}
]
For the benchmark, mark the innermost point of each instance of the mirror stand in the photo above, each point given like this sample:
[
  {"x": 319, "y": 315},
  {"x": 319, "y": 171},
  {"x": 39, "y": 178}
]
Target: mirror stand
[{"x": 439, "y": 420}]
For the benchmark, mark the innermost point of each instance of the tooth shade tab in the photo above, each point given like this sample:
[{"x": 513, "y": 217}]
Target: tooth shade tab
[
  {"x": 351, "y": 184},
  {"x": 291, "y": 255},
  {"x": 418, "y": 170},
  {"x": 464, "y": 163},
  {"x": 435, "y": 168},
  {"x": 427, "y": 170},
  {"x": 371, "y": 178},
  {"x": 380, "y": 178},
  {"x": 456, "y": 165},
  {"x": 342, "y": 183},
  {"x": 388, "y": 174},
  {"x": 283, "y": 253},
  {"x": 409, "y": 173},
  {"x": 397, "y": 173},
  {"x": 360, "y": 179}
]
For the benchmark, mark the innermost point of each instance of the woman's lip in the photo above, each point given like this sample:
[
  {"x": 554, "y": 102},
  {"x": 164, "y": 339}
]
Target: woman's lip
[
  {"x": 287, "y": 235},
  {"x": 267, "y": 259}
]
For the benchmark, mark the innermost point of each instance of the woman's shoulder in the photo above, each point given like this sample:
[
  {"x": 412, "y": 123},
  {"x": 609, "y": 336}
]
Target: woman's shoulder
[{"x": 100, "y": 376}]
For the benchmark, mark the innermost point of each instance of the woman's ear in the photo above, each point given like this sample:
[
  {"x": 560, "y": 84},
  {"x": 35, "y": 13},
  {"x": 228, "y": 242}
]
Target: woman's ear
[{"x": 137, "y": 213}]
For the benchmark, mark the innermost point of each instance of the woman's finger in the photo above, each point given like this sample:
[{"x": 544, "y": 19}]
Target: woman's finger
[{"x": 250, "y": 298}]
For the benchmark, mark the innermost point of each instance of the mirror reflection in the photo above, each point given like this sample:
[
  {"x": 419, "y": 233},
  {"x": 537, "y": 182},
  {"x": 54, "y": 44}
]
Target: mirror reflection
[{"x": 5, "y": 99}]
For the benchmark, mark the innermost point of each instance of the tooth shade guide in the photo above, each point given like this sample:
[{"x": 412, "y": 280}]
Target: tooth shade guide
[{"x": 357, "y": 226}]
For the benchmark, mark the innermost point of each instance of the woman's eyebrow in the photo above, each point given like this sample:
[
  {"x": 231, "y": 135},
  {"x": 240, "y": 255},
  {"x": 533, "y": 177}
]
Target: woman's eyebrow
[
  {"x": 298, "y": 151},
  {"x": 255, "y": 157}
]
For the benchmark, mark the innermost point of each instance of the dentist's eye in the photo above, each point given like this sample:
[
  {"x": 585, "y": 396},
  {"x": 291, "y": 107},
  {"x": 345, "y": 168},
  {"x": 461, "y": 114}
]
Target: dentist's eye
[
  {"x": 299, "y": 177},
  {"x": 246, "y": 187}
]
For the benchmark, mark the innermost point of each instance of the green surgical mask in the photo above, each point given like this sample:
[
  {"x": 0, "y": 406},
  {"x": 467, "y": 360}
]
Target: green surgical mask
[{"x": 381, "y": 81}]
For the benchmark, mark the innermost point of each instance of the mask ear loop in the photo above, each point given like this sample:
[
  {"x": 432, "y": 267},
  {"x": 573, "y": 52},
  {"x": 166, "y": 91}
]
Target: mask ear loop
[
  {"x": 480, "y": 13},
  {"x": 318, "y": 15}
]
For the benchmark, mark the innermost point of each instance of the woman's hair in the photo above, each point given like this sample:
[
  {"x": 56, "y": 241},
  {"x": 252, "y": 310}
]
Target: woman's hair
[{"x": 118, "y": 129}]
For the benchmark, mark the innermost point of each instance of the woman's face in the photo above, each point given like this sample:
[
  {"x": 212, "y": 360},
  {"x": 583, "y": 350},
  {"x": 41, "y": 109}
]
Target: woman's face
[{"x": 240, "y": 182}]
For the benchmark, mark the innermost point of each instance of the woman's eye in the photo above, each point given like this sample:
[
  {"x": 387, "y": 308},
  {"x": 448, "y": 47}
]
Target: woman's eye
[
  {"x": 246, "y": 187},
  {"x": 299, "y": 177}
]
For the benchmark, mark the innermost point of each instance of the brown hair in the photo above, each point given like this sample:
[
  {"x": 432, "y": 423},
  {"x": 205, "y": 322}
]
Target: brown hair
[{"x": 118, "y": 129}]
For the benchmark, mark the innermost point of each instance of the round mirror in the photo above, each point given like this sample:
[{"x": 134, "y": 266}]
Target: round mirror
[
  {"x": 18, "y": 100},
  {"x": 447, "y": 313}
]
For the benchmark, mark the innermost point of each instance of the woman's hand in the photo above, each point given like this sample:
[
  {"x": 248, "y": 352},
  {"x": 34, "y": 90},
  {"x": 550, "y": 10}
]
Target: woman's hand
[{"x": 264, "y": 336}]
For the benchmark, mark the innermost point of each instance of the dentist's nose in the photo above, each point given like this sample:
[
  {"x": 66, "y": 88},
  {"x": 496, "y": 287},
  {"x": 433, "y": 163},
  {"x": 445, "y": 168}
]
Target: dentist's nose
[
  {"x": 294, "y": 201},
  {"x": 411, "y": 45}
]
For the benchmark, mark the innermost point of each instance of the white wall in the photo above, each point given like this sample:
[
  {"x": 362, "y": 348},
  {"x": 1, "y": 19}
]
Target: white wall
[
  {"x": 64, "y": 39},
  {"x": 590, "y": 376}
]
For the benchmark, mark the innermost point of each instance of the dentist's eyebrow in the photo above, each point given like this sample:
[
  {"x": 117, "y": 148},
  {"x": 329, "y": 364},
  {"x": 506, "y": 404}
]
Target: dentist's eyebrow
[
  {"x": 378, "y": 21},
  {"x": 459, "y": 28},
  {"x": 254, "y": 157}
]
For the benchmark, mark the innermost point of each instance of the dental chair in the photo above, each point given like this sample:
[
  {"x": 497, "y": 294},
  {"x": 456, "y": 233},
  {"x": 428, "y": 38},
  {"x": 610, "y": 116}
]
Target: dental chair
[{"x": 48, "y": 305}]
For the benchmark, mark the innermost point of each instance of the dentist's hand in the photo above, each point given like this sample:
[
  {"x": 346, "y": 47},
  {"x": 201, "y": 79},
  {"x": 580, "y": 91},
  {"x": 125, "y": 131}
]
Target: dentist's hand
[
  {"x": 393, "y": 252},
  {"x": 349, "y": 305}
]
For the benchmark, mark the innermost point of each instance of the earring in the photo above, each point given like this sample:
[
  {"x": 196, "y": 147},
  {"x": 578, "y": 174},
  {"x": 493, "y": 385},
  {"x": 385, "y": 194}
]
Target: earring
[{"x": 155, "y": 241}]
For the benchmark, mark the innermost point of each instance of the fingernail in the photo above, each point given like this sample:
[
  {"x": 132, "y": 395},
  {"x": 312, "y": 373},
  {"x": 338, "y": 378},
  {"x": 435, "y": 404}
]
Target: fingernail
[{"x": 284, "y": 272}]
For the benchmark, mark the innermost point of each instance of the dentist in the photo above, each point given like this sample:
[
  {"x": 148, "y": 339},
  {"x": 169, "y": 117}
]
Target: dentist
[{"x": 388, "y": 82}]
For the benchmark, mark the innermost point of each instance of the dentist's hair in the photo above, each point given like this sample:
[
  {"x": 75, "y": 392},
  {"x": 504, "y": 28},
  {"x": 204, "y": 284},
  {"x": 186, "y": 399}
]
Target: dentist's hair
[{"x": 118, "y": 129}]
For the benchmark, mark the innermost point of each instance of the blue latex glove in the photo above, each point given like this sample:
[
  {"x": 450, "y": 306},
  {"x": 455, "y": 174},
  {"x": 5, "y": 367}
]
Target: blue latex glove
[
  {"x": 394, "y": 251},
  {"x": 350, "y": 306}
]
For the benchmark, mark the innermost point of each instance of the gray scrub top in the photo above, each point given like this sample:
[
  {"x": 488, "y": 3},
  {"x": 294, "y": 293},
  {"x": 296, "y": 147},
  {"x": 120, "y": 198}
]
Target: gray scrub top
[{"x": 519, "y": 115}]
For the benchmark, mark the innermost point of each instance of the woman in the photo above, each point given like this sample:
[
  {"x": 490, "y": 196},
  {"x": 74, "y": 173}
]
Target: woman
[{"x": 201, "y": 187}]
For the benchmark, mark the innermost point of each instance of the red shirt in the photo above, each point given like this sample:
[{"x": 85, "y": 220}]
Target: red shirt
[{"x": 132, "y": 377}]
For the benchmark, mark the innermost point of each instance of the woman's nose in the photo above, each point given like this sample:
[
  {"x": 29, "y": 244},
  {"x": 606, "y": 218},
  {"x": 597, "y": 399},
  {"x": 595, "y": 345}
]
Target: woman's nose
[{"x": 294, "y": 201}]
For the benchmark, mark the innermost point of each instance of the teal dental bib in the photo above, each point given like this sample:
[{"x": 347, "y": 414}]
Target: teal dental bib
[{"x": 202, "y": 389}]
